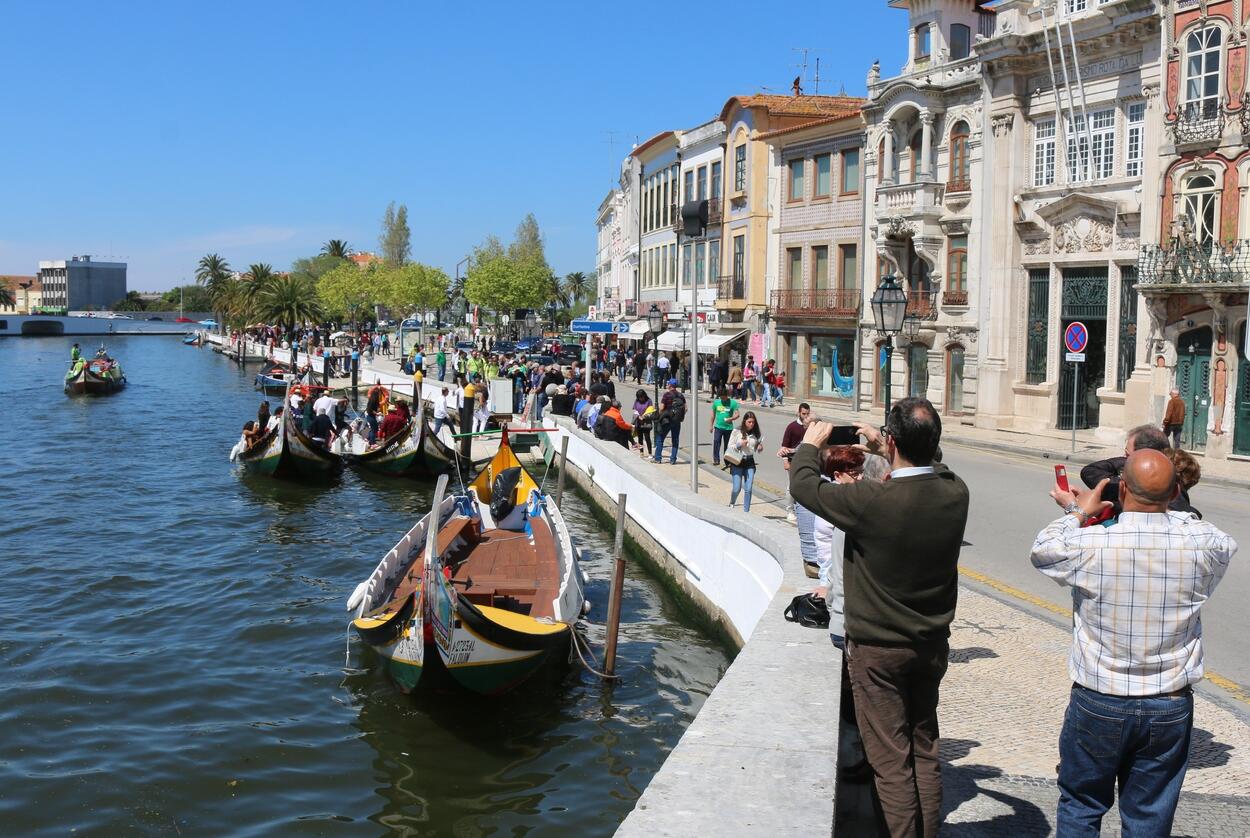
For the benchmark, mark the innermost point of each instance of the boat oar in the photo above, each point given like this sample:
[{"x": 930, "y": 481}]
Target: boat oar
[{"x": 431, "y": 522}]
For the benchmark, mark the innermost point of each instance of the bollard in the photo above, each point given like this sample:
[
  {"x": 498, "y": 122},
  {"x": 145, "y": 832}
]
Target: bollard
[
  {"x": 564, "y": 461},
  {"x": 466, "y": 423},
  {"x": 355, "y": 379},
  {"x": 618, "y": 582},
  {"x": 325, "y": 371}
]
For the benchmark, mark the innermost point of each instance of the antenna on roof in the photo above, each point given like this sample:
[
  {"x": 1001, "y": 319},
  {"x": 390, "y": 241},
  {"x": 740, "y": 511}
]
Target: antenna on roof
[{"x": 802, "y": 67}]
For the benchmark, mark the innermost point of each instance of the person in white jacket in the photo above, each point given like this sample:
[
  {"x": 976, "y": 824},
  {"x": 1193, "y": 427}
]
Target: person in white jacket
[{"x": 744, "y": 443}]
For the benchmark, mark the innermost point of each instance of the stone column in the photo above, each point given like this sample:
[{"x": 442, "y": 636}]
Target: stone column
[
  {"x": 925, "y": 169},
  {"x": 887, "y": 164}
]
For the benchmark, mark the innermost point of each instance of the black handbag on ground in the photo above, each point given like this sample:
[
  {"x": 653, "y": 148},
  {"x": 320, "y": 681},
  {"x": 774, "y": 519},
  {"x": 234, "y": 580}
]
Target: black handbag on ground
[{"x": 808, "y": 610}]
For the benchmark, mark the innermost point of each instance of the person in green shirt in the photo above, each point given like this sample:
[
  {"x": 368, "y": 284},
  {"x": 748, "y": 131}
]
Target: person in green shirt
[
  {"x": 724, "y": 413},
  {"x": 441, "y": 360},
  {"x": 74, "y": 354}
]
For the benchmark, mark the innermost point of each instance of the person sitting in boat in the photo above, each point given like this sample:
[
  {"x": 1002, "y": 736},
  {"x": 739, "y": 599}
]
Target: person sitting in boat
[
  {"x": 341, "y": 425},
  {"x": 262, "y": 416},
  {"x": 373, "y": 407},
  {"x": 74, "y": 354},
  {"x": 392, "y": 424},
  {"x": 322, "y": 431},
  {"x": 246, "y": 441},
  {"x": 276, "y": 419},
  {"x": 325, "y": 402}
]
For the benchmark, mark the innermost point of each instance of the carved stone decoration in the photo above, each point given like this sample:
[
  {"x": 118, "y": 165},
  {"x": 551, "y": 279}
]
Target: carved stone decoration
[
  {"x": 1126, "y": 237},
  {"x": 1220, "y": 391},
  {"x": 1157, "y": 308},
  {"x": 1150, "y": 92},
  {"x": 1219, "y": 313},
  {"x": 897, "y": 227},
  {"x": 1001, "y": 123},
  {"x": 962, "y": 334},
  {"x": 1083, "y": 235},
  {"x": 1037, "y": 247}
]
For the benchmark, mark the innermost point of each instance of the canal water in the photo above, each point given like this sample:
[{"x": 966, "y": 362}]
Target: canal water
[{"x": 174, "y": 643}]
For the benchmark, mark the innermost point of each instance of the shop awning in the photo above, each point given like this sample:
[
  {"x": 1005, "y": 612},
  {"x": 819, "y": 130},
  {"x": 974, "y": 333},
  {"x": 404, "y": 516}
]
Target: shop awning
[
  {"x": 674, "y": 340},
  {"x": 637, "y": 330},
  {"x": 711, "y": 343}
]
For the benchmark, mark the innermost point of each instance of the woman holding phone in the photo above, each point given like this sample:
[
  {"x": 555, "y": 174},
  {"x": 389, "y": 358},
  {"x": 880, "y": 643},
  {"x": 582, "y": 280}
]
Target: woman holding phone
[{"x": 744, "y": 443}]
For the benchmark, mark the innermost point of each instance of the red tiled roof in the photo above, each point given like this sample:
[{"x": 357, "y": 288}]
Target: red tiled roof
[
  {"x": 13, "y": 281},
  {"x": 816, "y": 107},
  {"x": 828, "y": 120}
]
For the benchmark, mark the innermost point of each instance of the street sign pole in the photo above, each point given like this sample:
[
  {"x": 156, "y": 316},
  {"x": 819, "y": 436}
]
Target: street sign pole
[
  {"x": 1076, "y": 375},
  {"x": 1075, "y": 339}
]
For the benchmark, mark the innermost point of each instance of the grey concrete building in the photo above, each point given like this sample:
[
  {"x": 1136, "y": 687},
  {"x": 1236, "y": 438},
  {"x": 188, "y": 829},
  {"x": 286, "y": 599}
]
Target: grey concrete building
[{"x": 81, "y": 284}]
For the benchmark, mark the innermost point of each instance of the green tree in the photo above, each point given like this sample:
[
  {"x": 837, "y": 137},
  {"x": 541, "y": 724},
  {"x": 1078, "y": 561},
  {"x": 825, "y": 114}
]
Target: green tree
[
  {"x": 131, "y": 302},
  {"x": 315, "y": 267},
  {"x": 7, "y": 298},
  {"x": 348, "y": 290},
  {"x": 289, "y": 300},
  {"x": 415, "y": 287},
  {"x": 576, "y": 285},
  {"x": 337, "y": 248},
  {"x": 213, "y": 272},
  {"x": 256, "y": 284},
  {"x": 527, "y": 245},
  {"x": 396, "y": 239}
]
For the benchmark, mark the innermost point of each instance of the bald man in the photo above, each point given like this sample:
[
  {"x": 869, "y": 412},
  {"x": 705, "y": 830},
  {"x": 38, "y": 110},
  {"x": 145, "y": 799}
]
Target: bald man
[{"x": 1137, "y": 588}]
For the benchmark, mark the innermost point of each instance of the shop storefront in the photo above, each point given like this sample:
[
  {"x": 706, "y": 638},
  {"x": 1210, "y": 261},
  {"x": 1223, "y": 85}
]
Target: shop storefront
[{"x": 819, "y": 365}]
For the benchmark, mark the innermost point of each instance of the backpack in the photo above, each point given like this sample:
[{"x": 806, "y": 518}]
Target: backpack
[
  {"x": 677, "y": 412},
  {"x": 808, "y": 610}
]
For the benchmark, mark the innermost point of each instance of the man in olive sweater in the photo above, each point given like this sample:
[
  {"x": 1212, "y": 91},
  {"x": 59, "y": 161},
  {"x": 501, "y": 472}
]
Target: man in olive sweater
[{"x": 902, "y": 547}]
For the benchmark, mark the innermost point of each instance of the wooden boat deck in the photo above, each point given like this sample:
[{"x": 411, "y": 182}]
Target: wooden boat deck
[{"x": 504, "y": 569}]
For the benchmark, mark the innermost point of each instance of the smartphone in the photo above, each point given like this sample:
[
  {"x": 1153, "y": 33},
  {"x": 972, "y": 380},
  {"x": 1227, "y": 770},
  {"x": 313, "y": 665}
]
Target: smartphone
[
  {"x": 843, "y": 435},
  {"x": 1061, "y": 477}
]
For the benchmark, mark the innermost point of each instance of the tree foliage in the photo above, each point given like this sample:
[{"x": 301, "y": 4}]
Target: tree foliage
[
  {"x": 7, "y": 298},
  {"x": 502, "y": 280},
  {"x": 131, "y": 302},
  {"x": 315, "y": 267},
  {"x": 290, "y": 300},
  {"x": 337, "y": 248},
  {"x": 395, "y": 240},
  {"x": 414, "y": 287},
  {"x": 347, "y": 290}
]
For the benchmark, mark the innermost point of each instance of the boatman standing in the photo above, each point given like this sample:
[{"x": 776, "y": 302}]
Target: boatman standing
[{"x": 74, "y": 354}]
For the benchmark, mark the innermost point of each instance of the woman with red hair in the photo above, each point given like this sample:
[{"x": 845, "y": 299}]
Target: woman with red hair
[{"x": 836, "y": 460}]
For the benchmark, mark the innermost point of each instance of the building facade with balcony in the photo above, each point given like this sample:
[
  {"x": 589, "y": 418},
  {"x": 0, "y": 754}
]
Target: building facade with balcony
[
  {"x": 742, "y": 294},
  {"x": 657, "y": 169},
  {"x": 612, "y": 269},
  {"x": 816, "y": 262},
  {"x": 1194, "y": 283},
  {"x": 925, "y": 185},
  {"x": 1071, "y": 111}
]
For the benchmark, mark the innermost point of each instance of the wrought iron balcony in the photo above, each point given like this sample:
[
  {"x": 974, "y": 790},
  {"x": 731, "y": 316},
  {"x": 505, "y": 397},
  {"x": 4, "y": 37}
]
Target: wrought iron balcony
[
  {"x": 816, "y": 302},
  {"x": 1185, "y": 262},
  {"x": 731, "y": 288},
  {"x": 714, "y": 211},
  {"x": 954, "y": 298},
  {"x": 1198, "y": 122},
  {"x": 922, "y": 304},
  {"x": 677, "y": 225}
]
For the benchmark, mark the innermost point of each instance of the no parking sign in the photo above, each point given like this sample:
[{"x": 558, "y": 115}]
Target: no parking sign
[{"x": 1076, "y": 338}]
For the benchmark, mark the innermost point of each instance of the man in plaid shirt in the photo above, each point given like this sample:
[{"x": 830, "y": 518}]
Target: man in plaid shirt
[{"x": 1137, "y": 587}]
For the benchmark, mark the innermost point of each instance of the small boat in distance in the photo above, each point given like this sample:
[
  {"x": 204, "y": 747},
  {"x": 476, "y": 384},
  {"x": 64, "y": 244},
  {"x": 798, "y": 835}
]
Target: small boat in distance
[
  {"x": 274, "y": 377},
  {"x": 192, "y": 340},
  {"x": 98, "y": 376}
]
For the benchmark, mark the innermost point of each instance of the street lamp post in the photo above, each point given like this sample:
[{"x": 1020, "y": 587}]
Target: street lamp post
[
  {"x": 655, "y": 322},
  {"x": 889, "y": 307},
  {"x": 530, "y": 322}
]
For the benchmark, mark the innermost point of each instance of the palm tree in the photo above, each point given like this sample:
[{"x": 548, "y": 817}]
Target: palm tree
[
  {"x": 576, "y": 285},
  {"x": 337, "y": 247},
  {"x": 214, "y": 274},
  {"x": 289, "y": 299},
  {"x": 7, "y": 298}
]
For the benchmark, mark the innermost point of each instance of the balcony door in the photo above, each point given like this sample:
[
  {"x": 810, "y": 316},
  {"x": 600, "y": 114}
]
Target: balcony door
[
  {"x": 1193, "y": 379},
  {"x": 1241, "y": 401}
]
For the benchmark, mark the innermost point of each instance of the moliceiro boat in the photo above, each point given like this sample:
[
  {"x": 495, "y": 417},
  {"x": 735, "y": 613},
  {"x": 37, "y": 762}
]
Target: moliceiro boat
[
  {"x": 96, "y": 377},
  {"x": 287, "y": 451},
  {"x": 499, "y": 585},
  {"x": 413, "y": 451}
]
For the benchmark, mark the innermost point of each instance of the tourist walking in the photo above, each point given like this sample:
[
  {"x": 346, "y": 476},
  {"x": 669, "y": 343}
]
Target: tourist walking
[
  {"x": 735, "y": 380},
  {"x": 644, "y": 411},
  {"x": 744, "y": 443},
  {"x": 724, "y": 414},
  {"x": 1174, "y": 417},
  {"x": 1138, "y": 587},
  {"x": 441, "y": 404},
  {"x": 790, "y": 439},
  {"x": 903, "y": 539},
  {"x": 668, "y": 422}
]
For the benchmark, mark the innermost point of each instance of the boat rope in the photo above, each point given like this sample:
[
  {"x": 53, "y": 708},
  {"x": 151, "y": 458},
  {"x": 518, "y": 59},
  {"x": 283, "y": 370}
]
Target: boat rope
[{"x": 577, "y": 645}]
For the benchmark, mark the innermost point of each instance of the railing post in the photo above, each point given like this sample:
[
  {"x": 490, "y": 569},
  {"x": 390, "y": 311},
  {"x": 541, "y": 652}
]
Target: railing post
[{"x": 618, "y": 582}]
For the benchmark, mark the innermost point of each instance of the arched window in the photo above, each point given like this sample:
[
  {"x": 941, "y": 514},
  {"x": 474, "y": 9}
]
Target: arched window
[
  {"x": 955, "y": 379},
  {"x": 1203, "y": 69},
  {"x": 961, "y": 41},
  {"x": 1200, "y": 206},
  {"x": 959, "y": 179}
]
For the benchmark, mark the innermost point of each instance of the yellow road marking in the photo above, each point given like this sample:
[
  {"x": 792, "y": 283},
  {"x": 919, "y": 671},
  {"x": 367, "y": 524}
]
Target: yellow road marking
[{"x": 1229, "y": 686}]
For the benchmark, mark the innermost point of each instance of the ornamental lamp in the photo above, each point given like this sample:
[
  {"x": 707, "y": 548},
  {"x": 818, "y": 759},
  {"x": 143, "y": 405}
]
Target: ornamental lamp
[
  {"x": 911, "y": 327},
  {"x": 655, "y": 319},
  {"x": 889, "y": 305}
]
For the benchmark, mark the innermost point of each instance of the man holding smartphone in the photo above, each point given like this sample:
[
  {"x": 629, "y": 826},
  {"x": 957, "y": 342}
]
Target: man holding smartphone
[{"x": 903, "y": 538}]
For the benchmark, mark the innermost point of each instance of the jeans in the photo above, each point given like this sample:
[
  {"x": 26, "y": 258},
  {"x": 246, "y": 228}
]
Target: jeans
[
  {"x": 748, "y": 389},
  {"x": 442, "y": 372},
  {"x": 807, "y": 533},
  {"x": 743, "y": 478},
  {"x": 1140, "y": 745},
  {"x": 671, "y": 431},
  {"x": 439, "y": 421},
  {"x": 778, "y": 394},
  {"x": 766, "y": 394},
  {"x": 372, "y": 422},
  {"x": 720, "y": 437}
]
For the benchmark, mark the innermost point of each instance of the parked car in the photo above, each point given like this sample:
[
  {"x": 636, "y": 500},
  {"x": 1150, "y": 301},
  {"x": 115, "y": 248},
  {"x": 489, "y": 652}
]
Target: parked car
[
  {"x": 466, "y": 345},
  {"x": 527, "y": 344},
  {"x": 541, "y": 360},
  {"x": 502, "y": 346},
  {"x": 156, "y": 318},
  {"x": 570, "y": 352}
]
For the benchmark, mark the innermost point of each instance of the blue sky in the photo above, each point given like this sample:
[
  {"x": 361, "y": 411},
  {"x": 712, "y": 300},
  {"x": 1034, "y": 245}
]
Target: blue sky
[{"x": 158, "y": 132}]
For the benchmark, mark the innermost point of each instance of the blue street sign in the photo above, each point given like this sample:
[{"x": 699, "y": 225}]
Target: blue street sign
[
  {"x": 604, "y": 327},
  {"x": 1076, "y": 337}
]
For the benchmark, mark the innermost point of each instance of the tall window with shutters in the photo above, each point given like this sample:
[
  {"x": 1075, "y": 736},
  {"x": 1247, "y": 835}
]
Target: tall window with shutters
[
  {"x": 1134, "y": 139},
  {"x": 959, "y": 180},
  {"x": 740, "y": 168},
  {"x": 1044, "y": 152},
  {"x": 956, "y": 271},
  {"x": 1204, "y": 50},
  {"x": 1038, "y": 319}
]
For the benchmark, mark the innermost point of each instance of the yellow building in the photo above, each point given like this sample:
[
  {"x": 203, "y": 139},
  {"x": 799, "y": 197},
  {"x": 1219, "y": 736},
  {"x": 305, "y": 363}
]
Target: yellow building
[{"x": 741, "y": 290}]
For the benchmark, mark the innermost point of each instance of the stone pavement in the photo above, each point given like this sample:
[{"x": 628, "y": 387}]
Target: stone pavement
[{"x": 1002, "y": 707}]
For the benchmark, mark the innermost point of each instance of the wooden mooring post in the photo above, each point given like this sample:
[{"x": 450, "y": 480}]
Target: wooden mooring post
[
  {"x": 564, "y": 462},
  {"x": 618, "y": 583}
]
